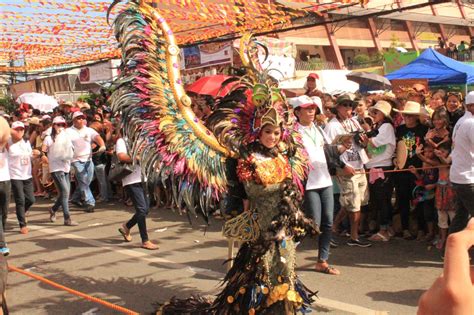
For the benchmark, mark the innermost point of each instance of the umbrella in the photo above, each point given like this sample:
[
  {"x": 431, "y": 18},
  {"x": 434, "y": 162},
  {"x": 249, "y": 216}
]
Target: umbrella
[
  {"x": 42, "y": 102},
  {"x": 370, "y": 80},
  {"x": 211, "y": 85}
]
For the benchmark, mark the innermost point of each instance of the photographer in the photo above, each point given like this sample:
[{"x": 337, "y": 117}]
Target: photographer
[
  {"x": 380, "y": 149},
  {"x": 351, "y": 179}
]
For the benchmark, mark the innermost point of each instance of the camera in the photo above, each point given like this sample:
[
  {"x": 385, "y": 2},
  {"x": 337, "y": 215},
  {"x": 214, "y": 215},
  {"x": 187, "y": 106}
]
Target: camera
[{"x": 368, "y": 134}]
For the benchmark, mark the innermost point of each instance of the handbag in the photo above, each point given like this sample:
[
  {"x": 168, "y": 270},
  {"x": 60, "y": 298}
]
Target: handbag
[
  {"x": 332, "y": 154},
  {"x": 119, "y": 170}
]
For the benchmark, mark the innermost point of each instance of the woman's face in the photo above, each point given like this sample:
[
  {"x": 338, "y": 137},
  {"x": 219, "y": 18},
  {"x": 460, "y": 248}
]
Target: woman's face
[
  {"x": 453, "y": 103},
  {"x": 17, "y": 134},
  {"x": 344, "y": 110},
  {"x": 436, "y": 102},
  {"x": 306, "y": 115},
  {"x": 270, "y": 136},
  {"x": 428, "y": 152},
  {"x": 438, "y": 123},
  {"x": 377, "y": 115},
  {"x": 360, "y": 109},
  {"x": 59, "y": 127}
]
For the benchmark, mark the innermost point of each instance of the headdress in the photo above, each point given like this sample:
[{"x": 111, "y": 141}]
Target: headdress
[{"x": 175, "y": 147}]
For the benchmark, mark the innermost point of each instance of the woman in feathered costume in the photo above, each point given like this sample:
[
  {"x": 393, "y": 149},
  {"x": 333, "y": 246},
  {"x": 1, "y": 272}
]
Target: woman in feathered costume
[{"x": 250, "y": 124}]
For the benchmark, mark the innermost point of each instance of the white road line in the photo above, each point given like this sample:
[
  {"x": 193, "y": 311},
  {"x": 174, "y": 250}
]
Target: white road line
[{"x": 323, "y": 302}]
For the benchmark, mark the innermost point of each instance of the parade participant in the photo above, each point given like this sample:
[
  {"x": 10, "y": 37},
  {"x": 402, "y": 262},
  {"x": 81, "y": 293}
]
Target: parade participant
[
  {"x": 319, "y": 201},
  {"x": 380, "y": 149},
  {"x": 256, "y": 131},
  {"x": 462, "y": 169},
  {"x": 134, "y": 186},
  {"x": 411, "y": 134},
  {"x": 19, "y": 160},
  {"x": 82, "y": 138},
  {"x": 351, "y": 178},
  {"x": 57, "y": 149}
]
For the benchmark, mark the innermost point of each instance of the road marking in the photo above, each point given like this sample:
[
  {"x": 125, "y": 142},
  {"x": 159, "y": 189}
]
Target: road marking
[{"x": 322, "y": 302}]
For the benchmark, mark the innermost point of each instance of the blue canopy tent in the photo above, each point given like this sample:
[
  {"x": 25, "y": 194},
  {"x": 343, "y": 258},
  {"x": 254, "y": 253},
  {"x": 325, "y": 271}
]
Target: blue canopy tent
[{"x": 437, "y": 69}]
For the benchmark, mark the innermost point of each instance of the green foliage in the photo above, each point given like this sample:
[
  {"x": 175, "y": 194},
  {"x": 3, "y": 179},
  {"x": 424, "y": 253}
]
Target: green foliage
[
  {"x": 361, "y": 59},
  {"x": 8, "y": 103}
]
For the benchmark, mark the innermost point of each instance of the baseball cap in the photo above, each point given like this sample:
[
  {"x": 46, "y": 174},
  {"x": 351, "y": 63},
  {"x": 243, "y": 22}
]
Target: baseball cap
[
  {"x": 78, "y": 114},
  {"x": 18, "y": 124},
  {"x": 302, "y": 101},
  {"x": 59, "y": 120},
  {"x": 45, "y": 117},
  {"x": 470, "y": 98},
  {"x": 313, "y": 76}
]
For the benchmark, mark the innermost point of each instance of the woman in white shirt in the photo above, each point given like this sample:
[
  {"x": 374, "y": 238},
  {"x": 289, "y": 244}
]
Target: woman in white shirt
[
  {"x": 55, "y": 149},
  {"x": 319, "y": 200},
  {"x": 133, "y": 186},
  {"x": 381, "y": 149},
  {"x": 19, "y": 159}
]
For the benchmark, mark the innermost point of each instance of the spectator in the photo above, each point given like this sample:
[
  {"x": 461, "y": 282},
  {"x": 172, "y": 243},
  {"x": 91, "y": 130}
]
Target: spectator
[
  {"x": 134, "y": 187},
  {"x": 380, "y": 149},
  {"x": 351, "y": 179},
  {"x": 55, "y": 150},
  {"x": 454, "y": 106},
  {"x": 311, "y": 88},
  {"x": 19, "y": 158},
  {"x": 5, "y": 188},
  {"x": 319, "y": 202},
  {"x": 441, "y": 43},
  {"x": 82, "y": 138},
  {"x": 439, "y": 134},
  {"x": 437, "y": 100},
  {"x": 462, "y": 169},
  {"x": 100, "y": 161}
]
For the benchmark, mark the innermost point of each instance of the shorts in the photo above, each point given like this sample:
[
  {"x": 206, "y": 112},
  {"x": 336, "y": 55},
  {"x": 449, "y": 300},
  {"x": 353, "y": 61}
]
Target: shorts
[
  {"x": 443, "y": 218},
  {"x": 354, "y": 192}
]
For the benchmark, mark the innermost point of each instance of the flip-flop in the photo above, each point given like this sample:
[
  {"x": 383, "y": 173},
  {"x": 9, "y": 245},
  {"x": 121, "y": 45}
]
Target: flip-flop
[
  {"x": 150, "y": 246},
  {"x": 126, "y": 237},
  {"x": 329, "y": 271},
  {"x": 378, "y": 237}
]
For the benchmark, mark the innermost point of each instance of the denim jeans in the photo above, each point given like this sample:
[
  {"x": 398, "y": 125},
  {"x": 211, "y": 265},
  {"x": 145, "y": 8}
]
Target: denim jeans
[
  {"x": 84, "y": 176},
  {"x": 319, "y": 205},
  {"x": 465, "y": 207},
  {"x": 104, "y": 185},
  {"x": 140, "y": 202},
  {"x": 63, "y": 185},
  {"x": 23, "y": 193},
  {"x": 5, "y": 188}
]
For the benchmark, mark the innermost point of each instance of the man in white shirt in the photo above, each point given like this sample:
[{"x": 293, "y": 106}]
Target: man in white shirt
[
  {"x": 82, "y": 138},
  {"x": 351, "y": 179},
  {"x": 462, "y": 169}
]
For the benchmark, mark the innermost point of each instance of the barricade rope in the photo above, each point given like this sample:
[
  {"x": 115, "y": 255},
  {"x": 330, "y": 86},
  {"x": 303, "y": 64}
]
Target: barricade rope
[
  {"x": 404, "y": 169},
  {"x": 74, "y": 292}
]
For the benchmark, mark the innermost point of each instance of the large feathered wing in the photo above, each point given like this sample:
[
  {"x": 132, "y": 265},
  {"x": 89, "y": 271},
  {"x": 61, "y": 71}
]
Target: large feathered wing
[{"x": 173, "y": 145}]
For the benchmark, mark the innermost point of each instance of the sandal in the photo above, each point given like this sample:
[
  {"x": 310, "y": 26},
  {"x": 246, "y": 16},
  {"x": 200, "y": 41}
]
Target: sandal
[
  {"x": 126, "y": 236},
  {"x": 150, "y": 246},
  {"x": 329, "y": 271},
  {"x": 379, "y": 237}
]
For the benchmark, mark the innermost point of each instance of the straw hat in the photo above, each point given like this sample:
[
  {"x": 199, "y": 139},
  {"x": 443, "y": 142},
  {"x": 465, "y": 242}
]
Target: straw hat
[
  {"x": 382, "y": 106},
  {"x": 34, "y": 121},
  {"x": 411, "y": 108}
]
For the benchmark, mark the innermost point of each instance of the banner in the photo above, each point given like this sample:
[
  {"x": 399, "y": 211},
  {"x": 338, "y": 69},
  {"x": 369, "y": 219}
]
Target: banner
[
  {"x": 207, "y": 55},
  {"x": 96, "y": 73}
]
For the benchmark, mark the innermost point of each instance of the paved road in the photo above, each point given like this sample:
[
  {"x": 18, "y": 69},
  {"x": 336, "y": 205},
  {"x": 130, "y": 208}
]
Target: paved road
[{"x": 92, "y": 258}]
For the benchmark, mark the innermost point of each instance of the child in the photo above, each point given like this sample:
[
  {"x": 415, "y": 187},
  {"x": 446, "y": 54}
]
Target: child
[
  {"x": 440, "y": 133},
  {"x": 445, "y": 198},
  {"x": 427, "y": 179}
]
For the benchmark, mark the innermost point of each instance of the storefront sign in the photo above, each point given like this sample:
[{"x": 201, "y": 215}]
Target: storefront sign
[{"x": 207, "y": 55}]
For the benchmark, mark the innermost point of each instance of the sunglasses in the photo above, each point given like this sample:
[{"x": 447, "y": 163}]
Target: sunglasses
[
  {"x": 60, "y": 125},
  {"x": 346, "y": 104},
  {"x": 80, "y": 118},
  {"x": 458, "y": 95}
]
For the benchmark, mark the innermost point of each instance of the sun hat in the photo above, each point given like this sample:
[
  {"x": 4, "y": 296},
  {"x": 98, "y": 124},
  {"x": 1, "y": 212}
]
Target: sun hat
[
  {"x": 78, "y": 114},
  {"x": 18, "y": 124},
  {"x": 345, "y": 98},
  {"x": 34, "y": 121},
  {"x": 382, "y": 106},
  {"x": 67, "y": 103},
  {"x": 59, "y": 120},
  {"x": 411, "y": 108}
]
